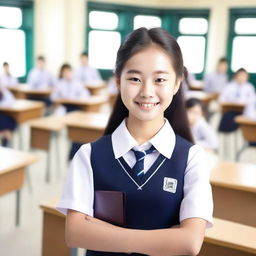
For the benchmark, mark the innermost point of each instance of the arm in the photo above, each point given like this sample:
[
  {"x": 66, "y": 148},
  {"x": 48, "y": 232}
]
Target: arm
[{"x": 93, "y": 234}]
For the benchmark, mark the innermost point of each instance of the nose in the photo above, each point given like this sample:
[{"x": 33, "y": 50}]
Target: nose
[{"x": 147, "y": 90}]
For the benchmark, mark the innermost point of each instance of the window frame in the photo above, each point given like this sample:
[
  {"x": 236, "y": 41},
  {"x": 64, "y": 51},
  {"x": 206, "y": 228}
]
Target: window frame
[
  {"x": 27, "y": 9},
  {"x": 234, "y": 14},
  {"x": 169, "y": 19}
]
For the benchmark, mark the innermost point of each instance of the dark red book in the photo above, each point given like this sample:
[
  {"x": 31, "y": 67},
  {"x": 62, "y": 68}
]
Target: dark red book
[{"x": 109, "y": 206}]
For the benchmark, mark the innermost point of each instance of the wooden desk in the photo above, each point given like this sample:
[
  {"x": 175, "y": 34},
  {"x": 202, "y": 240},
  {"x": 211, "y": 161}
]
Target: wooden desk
[
  {"x": 85, "y": 127},
  {"x": 231, "y": 106},
  {"x": 45, "y": 135},
  {"x": 234, "y": 192},
  {"x": 229, "y": 239},
  {"x": 92, "y": 104},
  {"x": 197, "y": 86},
  {"x": 24, "y": 110},
  {"x": 248, "y": 127},
  {"x": 96, "y": 88},
  {"x": 12, "y": 172},
  {"x": 54, "y": 231}
]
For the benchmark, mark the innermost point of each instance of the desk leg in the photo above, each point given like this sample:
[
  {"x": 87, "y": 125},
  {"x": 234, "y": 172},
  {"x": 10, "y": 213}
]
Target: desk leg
[
  {"x": 57, "y": 156},
  {"x": 73, "y": 252},
  {"x": 52, "y": 141},
  {"x": 17, "y": 216},
  {"x": 20, "y": 146}
]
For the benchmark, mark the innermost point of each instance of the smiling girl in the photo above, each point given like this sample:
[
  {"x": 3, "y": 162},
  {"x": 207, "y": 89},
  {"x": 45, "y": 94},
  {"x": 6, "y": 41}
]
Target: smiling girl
[{"x": 147, "y": 152}]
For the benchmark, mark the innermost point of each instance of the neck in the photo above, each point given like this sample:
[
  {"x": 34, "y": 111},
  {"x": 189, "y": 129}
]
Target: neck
[{"x": 143, "y": 131}]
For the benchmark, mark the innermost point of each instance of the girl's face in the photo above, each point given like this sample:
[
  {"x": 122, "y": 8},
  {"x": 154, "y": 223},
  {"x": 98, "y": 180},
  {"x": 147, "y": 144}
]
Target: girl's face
[
  {"x": 241, "y": 77},
  {"x": 67, "y": 74},
  {"x": 148, "y": 83},
  {"x": 194, "y": 114}
]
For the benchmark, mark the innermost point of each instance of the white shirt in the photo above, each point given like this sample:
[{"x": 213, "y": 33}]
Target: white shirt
[
  {"x": 204, "y": 135},
  {"x": 40, "y": 79},
  {"x": 78, "y": 191},
  {"x": 9, "y": 81},
  {"x": 71, "y": 89},
  {"x": 250, "y": 109},
  {"x": 88, "y": 75},
  {"x": 8, "y": 99},
  {"x": 215, "y": 82},
  {"x": 239, "y": 93}
]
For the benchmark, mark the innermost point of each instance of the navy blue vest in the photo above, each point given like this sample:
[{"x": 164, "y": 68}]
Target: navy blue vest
[{"x": 151, "y": 207}]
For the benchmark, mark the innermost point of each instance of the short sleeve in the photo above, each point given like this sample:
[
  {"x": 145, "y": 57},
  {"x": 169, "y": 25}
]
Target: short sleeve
[
  {"x": 78, "y": 192},
  {"x": 197, "y": 201}
]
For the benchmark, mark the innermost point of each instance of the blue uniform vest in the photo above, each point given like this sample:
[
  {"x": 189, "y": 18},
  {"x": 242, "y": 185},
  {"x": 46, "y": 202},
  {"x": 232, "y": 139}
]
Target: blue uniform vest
[{"x": 151, "y": 207}]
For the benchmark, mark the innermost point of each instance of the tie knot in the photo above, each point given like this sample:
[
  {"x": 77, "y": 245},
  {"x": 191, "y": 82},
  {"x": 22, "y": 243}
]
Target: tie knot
[{"x": 141, "y": 154}]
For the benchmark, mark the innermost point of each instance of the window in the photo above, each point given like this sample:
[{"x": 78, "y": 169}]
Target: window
[
  {"x": 103, "y": 39},
  {"x": 146, "y": 21},
  {"x": 245, "y": 26},
  {"x": 13, "y": 40},
  {"x": 108, "y": 25},
  {"x": 192, "y": 41}
]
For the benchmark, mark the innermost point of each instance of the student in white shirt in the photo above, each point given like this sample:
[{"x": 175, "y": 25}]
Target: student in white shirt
[
  {"x": 86, "y": 74},
  {"x": 168, "y": 198},
  {"x": 7, "y": 123},
  {"x": 216, "y": 81},
  {"x": 69, "y": 88},
  {"x": 39, "y": 78},
  {"x": 203, "y": 134},
  {"x": 239, "y": 90},
  {"x": 6, "y": 79},
  {"x": 250, "y": 109}
]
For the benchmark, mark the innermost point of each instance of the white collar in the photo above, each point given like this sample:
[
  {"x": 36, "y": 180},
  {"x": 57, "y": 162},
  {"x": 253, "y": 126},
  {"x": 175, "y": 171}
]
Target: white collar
[{"x": 163, "y": 141}]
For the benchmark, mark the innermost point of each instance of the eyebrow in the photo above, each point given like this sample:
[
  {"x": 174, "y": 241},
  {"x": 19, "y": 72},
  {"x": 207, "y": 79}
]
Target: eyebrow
[{"x": 135, "y": 71}]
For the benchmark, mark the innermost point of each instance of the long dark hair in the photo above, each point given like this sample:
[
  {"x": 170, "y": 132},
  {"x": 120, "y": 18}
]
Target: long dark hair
[{"x": 136, "y": 41}]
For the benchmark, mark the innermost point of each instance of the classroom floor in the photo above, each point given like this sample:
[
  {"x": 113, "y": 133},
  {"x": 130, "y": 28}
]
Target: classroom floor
[{"x": 25, "y": 240}]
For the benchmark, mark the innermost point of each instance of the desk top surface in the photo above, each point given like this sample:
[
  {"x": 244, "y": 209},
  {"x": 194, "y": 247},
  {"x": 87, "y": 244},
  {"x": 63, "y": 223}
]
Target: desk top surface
[
  {"x": 23, "y": 105},
  {"x": 245, "y": 120},
  {"x": 86, "y": 119},
  {"x": 92, "y": 100},
  {"x": 233, "y": 235},
  {"x": 13, "y": 159},
  {"x": 235, "y": 176}
]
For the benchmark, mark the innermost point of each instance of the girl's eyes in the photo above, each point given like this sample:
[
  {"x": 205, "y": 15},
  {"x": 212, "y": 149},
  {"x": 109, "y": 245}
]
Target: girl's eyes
[
  {"x": 160, "y": 80},
  {"x": 134, "y": 79},
  {"x": 137, "y": 80}
]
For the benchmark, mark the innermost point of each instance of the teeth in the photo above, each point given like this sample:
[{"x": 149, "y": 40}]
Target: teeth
[{"x": 147, "y": 105}]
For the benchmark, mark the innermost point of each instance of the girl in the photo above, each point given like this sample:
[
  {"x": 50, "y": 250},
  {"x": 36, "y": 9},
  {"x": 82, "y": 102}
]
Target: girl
[
  {"x": 237, "y": 91},
  {"x": 202, "y": 132},
  {"x": 69, "y": 88},
  {"x": 168, "y": 196},
  {"x": 7, "y": 124},
  {"x": 6, "y": 78}
]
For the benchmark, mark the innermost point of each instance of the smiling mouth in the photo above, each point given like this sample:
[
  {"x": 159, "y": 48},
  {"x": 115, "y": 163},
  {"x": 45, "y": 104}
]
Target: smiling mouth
[{"x": 147, "y": 105}]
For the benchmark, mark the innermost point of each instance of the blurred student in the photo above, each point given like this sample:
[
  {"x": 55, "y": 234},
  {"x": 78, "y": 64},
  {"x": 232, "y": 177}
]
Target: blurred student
[
  {"x": 6, "y": 78},
  {"x": 39, "y": 78},
  {"x": 239, "y": 90},
  {"x": 216, "y": 81},
  {"x": 250, "y": 109},
  {"x": 203, "y": 134},
  {"x": 86, "y": 74},
  {"x": 7, "y": 123},
  {"x": 67, "y": 87}
]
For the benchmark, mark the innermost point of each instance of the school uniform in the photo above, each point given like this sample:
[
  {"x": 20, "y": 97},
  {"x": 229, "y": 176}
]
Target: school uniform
[
  {"x": 175, "y": 185},
  {"x": 204, "y": 135},
  {"x": 6, "y": 100},
  {"x": 88, "y": 75},
  {"x": 8, "y": 80},
  {"x": 69, "y": 89},
  {"x": 40, "y": 79},
  {"x": 237, "y": 93},
  {"x": 215, "y": 82}
]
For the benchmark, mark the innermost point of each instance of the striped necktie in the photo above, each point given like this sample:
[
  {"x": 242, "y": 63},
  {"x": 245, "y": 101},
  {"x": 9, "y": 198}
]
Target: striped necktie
[{"x": 138, "y": 168}]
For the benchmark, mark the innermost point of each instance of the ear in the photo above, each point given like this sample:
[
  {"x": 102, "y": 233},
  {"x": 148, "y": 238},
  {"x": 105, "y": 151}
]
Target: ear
[{"x": 177, "y": 86}]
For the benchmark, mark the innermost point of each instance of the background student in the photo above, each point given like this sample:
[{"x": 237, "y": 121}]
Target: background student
[
  {"x": 239, "y": 90},
  {"x": 216, "y": 81},
  {"x": 203, "y": 134},
  {"x": 7, "y": 123},
  {"x": 143, "y": 126},
  {"x": 6, "y": 78},
  {"x": 86, "y": 74},
  {"x": 39, "y": 78}
]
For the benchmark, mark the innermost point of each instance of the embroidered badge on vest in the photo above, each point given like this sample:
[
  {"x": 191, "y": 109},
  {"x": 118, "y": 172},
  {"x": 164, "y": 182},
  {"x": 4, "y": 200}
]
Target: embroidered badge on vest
[{"x": 170, "y": 185}]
